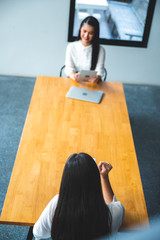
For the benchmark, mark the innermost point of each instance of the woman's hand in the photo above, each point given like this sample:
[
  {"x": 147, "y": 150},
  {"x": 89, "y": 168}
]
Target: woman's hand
[
  {"x": 104, "y": 168},
  {"x": 74, "y": 76},
  {"x": 95, "y": 80}
]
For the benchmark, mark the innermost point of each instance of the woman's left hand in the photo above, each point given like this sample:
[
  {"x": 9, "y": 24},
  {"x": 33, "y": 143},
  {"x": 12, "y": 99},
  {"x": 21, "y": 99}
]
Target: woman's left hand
[{"x": 95, "y": 80}]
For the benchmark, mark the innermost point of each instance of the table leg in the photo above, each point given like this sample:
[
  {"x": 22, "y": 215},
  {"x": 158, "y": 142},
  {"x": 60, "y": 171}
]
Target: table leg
[{"x": 30, "y": 234}]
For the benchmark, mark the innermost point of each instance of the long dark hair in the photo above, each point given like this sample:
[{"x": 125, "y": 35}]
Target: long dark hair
[
  {"x": 81, "y": 213},
  {"x": 92, "y": 21}
]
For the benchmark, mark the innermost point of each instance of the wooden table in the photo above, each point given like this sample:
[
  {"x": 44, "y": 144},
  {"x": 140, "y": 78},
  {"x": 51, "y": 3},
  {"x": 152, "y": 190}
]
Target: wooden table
[{"x": 56, "y": 127}]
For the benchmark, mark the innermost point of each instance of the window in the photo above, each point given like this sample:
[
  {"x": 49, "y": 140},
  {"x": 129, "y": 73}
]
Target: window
[{"x": 122, "y": 22}]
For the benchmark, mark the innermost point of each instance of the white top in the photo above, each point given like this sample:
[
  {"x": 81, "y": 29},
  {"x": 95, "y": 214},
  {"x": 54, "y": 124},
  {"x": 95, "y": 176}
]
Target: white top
[
  {"x": 42, "y": 228},
  {"x": 78, "y": 57}
]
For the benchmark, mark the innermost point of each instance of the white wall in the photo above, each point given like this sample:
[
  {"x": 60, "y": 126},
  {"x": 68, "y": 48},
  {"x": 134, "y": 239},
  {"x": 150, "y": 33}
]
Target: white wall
[{"x": 33, "y": 39}]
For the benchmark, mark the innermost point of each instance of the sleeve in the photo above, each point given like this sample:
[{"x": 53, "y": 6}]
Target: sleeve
[
  {"x": 100, "y": 62},
  {"x": 42, "y": 228},
  {"x": 69, "y": 63},
  {"x": 117, "y": 211}
]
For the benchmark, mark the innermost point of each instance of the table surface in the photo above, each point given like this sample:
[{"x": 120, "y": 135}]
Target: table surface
[{"x": 56, "y": 127}]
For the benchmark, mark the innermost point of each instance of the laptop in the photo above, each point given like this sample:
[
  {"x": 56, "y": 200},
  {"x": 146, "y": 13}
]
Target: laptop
[
  {"x": 85, "y": 75},
  {"x": 85, "y": 94}
]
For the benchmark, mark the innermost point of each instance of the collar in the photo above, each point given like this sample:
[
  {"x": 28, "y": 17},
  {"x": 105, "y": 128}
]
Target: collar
[{"x": 83, "y": 47}]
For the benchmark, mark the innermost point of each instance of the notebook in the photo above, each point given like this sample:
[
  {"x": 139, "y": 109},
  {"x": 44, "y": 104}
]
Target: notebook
[
  {"x": 85, "y": 94},
  {"x": 85, "y": 75}
]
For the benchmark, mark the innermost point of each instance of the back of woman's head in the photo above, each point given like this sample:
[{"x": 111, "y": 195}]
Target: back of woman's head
[
  {"x": 81, "y": 212},
  {"x": 80, "y": 176},
  {"x": 92, "y": 21}
]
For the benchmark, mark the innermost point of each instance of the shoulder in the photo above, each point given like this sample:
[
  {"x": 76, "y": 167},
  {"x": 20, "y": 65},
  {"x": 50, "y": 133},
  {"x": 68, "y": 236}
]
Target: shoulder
[
  {"x": 53, "y": 203},
  {"x": 117, "y": 211},
  {"x": 73, "y": 45},
  {"x": 42, "y": 227},
  {"x": 101, "y": 49},
  {"x": 50, "y": 208},
  {"x": 116, "y": 208}
]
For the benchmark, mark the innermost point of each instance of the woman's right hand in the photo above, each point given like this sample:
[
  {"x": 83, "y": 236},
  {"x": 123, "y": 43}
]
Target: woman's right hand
[
  {"x": 104, "y": 168},
  {"x": 74, "y": 76}
]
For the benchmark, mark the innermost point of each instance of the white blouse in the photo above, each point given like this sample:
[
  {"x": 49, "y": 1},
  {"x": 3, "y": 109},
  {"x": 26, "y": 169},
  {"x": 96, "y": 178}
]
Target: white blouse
[
  {"x": 42, "y": 228},
  {"x": 78, "y": 57}
]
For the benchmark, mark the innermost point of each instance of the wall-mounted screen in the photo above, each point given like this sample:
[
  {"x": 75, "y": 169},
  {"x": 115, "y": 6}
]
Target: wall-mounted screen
[{"x": 122, "y": 22}]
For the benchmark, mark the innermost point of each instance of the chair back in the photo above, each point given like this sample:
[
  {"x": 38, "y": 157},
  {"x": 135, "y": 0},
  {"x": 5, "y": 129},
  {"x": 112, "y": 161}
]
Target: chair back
[
  {"x": 61, "y": 71},
  {"x": 105, "y": 74}
]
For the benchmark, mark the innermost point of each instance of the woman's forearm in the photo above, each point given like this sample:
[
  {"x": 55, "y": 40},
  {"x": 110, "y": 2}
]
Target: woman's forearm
[
  {"x": 104, "y": 169},
  {"x": 107, "y": 189}
]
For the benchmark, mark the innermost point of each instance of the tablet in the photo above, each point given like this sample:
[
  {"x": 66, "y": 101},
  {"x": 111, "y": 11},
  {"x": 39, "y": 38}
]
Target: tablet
[{"x": 85, "y": 75}]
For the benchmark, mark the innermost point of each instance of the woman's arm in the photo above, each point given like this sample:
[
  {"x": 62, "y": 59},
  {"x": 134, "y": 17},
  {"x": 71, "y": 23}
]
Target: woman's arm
[
  {"x": 100, "y": 63},
  {"x": 95, "y": 80},
  {"x": 74, "y": 76},
  {"x": 99, "y": 67},
  {"x": 104, "y": 169},
  {"x": 69, "y": 63}
]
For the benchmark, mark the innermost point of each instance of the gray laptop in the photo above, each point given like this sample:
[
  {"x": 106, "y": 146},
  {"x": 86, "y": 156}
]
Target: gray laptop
[{"x": 85, "y": 94}]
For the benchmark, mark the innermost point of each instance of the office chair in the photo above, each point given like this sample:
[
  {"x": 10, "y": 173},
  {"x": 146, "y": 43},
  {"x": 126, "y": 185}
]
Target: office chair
[
  {"x": 104, "y": 77},
  {"x": 105, "y": 74},
  {"x": 61, "y": 71}
]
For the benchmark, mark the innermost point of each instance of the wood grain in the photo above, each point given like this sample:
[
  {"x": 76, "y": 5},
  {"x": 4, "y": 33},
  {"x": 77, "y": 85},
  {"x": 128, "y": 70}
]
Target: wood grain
[{"x": 56, "y": 127}]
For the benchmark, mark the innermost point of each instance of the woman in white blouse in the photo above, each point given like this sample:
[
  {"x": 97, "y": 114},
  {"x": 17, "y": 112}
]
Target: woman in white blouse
[
  {"x": 81, "y": 211},
  {"x": 86, "y": 53}
]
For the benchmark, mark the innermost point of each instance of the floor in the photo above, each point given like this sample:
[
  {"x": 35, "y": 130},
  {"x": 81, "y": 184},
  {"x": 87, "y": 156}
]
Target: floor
[{"x": 144, "y": 111}]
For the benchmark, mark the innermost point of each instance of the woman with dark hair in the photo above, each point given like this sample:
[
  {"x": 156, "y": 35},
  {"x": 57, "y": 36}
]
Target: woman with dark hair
[
  {"x": 86, "y": 53},
  {"x": 80, "y": 212}
]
